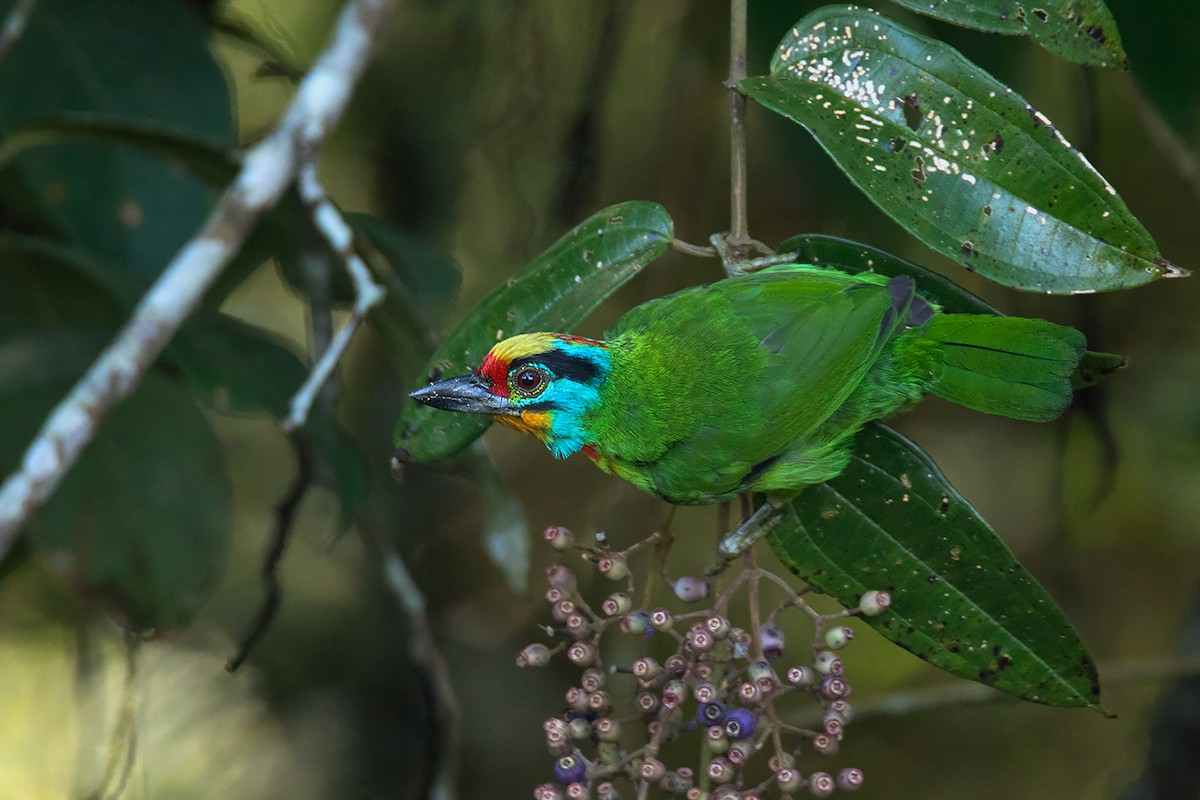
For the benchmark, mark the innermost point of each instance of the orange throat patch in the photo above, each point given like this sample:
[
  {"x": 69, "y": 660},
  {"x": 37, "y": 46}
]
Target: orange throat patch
[{"x": 535, "y": 423}]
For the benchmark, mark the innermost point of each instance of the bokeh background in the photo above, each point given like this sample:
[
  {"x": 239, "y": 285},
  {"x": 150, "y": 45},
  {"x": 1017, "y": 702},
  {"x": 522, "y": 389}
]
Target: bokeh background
[{"x": 488, "y": 129}]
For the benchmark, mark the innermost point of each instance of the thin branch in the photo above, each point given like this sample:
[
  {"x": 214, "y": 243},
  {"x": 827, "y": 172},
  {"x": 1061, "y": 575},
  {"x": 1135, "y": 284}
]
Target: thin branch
[
  {"x": 285, "y": 521},
  {"x": 268, "y": 170},
  {"x": 693, "y": 249},
  {"x": 123, "y": 744},
  {"x": 367, "y": 293},
  {"x": 739, "y": 228},
  {"x": 15, "y": 24},
  {"x": 429, "y": 661}
]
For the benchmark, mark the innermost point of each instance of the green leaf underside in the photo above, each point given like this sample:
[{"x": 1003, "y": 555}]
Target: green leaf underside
[
  {"x": 554, "y": 292},
  {"x": 955, "y": 157},
  {"x": 1082, "y": 31},
  {"x": 960, "y": 600}
]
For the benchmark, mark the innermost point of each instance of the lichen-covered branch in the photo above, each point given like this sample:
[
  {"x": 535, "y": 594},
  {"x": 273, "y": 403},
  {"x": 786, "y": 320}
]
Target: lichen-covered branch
[
  {"x": 367, "y": 293},
  {"x": 269, "y": 168}
]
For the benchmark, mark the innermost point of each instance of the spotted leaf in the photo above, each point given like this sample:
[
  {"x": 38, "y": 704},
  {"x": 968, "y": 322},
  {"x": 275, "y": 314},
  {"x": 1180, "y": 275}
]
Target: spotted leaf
[
  {"x": 961, "y": 161},
  {"x": 960, "y": 599},
  {"x": 1082, "y": 31}
]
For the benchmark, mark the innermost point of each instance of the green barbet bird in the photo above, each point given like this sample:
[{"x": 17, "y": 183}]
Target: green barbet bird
[{"x": 759, "y": 383}]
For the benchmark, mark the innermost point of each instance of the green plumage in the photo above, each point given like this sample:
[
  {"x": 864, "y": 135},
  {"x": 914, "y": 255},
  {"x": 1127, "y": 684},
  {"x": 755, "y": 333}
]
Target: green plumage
[{"x": 759, "y": 383}]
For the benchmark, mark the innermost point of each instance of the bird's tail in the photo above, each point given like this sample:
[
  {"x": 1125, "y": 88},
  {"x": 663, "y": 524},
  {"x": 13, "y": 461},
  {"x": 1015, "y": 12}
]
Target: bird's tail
[{"x": 1011, "y": 366}]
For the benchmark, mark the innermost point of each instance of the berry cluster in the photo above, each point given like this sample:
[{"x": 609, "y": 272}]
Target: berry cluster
[{"x": 701, "y": 674}]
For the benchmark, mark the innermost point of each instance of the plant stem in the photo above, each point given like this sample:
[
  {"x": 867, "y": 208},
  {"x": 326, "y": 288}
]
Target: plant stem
[{"x": 739, "y": 228}]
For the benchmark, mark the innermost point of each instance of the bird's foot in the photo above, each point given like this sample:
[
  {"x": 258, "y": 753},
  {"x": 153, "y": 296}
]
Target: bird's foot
[
  {"x": 736, "y": 255},
  {"x": 755, "y": 527}
]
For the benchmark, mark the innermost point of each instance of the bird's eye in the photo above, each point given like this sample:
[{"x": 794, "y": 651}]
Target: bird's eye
[{"x": 530, "y": 381}]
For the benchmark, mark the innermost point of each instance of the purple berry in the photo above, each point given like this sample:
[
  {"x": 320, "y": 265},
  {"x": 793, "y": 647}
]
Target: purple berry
[
  {"x": 570, "y": 769},
  {"x": 740, "y": 723},
  {"x": 711, "y": 713}
]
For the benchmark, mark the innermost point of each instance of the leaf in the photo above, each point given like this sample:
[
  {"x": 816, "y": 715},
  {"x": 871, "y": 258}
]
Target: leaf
[
  {"x": 431, "y": 274},
  {"x": 958, "y": 159},
  {"x": 89, "y": 57},
  {"x": 340, "y": 464},
  {"x": 142, "y": 521},
  {"x": 1082, "y": 31},
  {"x": 960, "y": 600},
  {"x": 211, "y": 158},
  {"x": 236, "y": 367},
  {"x": 554, "y": 292}
]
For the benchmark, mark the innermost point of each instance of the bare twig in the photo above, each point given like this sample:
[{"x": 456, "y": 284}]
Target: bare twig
[
  {"x": 14, "y": 25},
  {"x": 267, "y": 171},
  {"x": 285, "y": 520},
  {"x": 428, "y": 659},
  {"x": 123, "y": 746},
  {"x": 367, "y": 293},
  {"x": 739, "y": 228},
  {"x": 693, "y": 249}
]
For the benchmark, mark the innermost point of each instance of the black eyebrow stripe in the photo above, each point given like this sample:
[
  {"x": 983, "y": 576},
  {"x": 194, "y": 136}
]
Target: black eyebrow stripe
[{"x": 561, "y": 364}]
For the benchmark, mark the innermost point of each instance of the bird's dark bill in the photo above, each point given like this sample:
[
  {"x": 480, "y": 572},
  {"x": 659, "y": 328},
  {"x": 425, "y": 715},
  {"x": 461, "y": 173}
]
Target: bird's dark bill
[{"x": 470, "y": 393}]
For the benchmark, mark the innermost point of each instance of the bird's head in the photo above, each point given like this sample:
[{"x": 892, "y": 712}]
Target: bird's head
[{"x": 538, "y": 383}]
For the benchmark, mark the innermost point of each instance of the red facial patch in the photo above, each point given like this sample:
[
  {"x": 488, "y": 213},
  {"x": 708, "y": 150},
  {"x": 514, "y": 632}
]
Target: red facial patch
[{"x": 496, "y": 371}]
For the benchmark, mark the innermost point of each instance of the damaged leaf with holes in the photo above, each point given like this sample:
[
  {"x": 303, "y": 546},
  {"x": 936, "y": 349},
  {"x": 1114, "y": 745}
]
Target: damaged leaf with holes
[
  {"x": 1082, "y": 31},
  {"x": 554, "y": 292},
  {"x": 961, "y": 161},
  {"x": 960, "y": 599}
]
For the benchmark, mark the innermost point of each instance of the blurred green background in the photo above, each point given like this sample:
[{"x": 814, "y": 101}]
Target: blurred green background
[{"x": 488, "y": 129}]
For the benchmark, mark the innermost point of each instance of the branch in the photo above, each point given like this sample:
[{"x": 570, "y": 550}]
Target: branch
[
  {"x": 269, "y": 168},
  {"x": 739, "y": 229},
  {"x": 367, "y": 293}
]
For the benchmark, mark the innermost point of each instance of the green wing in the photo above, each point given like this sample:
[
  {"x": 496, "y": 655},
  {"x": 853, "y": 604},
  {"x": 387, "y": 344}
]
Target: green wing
[{"x": 713, "y": 383}]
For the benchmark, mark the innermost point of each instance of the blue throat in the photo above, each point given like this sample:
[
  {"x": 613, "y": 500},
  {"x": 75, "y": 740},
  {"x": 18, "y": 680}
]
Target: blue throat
[{"x": 568, "y": 400}]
